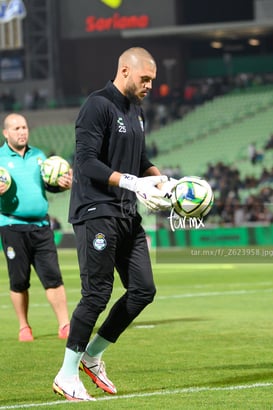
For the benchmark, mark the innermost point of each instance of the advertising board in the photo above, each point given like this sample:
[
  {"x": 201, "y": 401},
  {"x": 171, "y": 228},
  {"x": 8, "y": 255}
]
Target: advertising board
[{"x": 82, "y": 19}]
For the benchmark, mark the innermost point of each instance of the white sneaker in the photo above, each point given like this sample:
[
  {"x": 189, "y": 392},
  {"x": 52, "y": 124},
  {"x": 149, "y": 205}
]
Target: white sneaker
[
  {"x": 71, "y": 388},
  {"x": 95, "y": 369}
]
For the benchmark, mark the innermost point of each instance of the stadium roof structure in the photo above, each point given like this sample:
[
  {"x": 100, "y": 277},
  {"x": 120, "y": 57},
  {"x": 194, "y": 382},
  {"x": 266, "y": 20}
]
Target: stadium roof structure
[{"x": 213, "y": 31}]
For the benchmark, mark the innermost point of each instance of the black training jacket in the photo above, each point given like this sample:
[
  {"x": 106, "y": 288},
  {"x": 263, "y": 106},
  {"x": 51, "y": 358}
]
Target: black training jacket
[{"x": 109, "y": 137}]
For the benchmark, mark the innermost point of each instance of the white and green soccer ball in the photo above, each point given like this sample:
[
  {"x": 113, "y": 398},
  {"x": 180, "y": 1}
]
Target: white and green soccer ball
[
  {"x": 53, "y": 168},
  {"x": 5, "y": 177},
  {"x": 192, "y": 197}
]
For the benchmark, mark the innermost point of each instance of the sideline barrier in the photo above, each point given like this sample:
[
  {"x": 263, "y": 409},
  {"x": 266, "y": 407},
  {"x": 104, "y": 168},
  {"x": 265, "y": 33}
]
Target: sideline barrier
[
  {"x": 58, "y": 237},
  {"x": 213, "y": 237},
  {"x": 214, "y": 246}
]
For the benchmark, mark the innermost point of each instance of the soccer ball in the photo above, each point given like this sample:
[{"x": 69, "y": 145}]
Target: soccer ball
[
  {"x": 5, "y": 177},
  {"x": 53, "y": 168},
  {"x": 192, "y": 197}
]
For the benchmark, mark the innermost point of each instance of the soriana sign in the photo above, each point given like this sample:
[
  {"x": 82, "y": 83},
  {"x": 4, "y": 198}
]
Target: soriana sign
[
  {"x": 85, "y": 18},
  {"x": 116, "y": 22}
]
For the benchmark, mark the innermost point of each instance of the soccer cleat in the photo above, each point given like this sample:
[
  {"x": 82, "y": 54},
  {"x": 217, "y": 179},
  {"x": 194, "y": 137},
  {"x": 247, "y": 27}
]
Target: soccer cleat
[
  {"x": 64, "y": 331},
  {"x": 25, "y": 334},
  {"x": 71, "y": 389},
  {"x": 95, "y": 369}
]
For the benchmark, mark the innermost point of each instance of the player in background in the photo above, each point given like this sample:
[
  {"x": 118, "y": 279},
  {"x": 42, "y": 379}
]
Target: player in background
[
  {"x": 26, "y": 236},
  {"x": 110, "y": 167}
]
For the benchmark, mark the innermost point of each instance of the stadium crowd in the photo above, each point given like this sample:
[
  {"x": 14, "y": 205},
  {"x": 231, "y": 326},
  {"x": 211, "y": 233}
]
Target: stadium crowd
[
  {"x": 166, "y": 104},
  {"x": 240, "y": 201}
]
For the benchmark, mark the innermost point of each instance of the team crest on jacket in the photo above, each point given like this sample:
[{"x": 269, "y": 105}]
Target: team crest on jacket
[
  {"x": 121, "y": 125},
  {"x": 99, "y": 243},
  {"x": 141, "y": 123}
]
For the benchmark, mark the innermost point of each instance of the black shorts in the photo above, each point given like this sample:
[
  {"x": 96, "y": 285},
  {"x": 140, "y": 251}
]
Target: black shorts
[{"x": 33, "y": 247}]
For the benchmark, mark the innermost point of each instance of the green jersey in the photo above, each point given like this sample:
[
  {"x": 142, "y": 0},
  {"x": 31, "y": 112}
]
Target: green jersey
[{"x": 26, "y": 198}]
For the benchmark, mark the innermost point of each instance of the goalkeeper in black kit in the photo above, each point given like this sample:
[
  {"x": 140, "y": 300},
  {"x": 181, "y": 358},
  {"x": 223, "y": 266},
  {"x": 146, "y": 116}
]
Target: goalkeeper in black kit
[{"x": 110, "y": 168}]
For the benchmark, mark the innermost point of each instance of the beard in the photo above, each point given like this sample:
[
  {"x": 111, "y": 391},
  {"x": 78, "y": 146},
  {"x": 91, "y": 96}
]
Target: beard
[{"x": 130, "y": 93}]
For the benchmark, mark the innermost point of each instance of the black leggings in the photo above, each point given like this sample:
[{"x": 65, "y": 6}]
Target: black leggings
[{"x": 105, "y": 244}]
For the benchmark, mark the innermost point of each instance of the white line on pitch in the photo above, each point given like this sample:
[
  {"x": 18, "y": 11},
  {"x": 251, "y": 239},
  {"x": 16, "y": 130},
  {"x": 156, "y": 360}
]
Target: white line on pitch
[
  {"x": 181, "y": 296},
  {"x": 186, "y": 390},
  {"x": 205, "y": 294}
]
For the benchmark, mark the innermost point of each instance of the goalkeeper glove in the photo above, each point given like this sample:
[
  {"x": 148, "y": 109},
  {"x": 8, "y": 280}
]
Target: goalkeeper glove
[
  {"x": 146, "y": 191},
  {"x": 159, "y": 199},
  {"x": 168, "y": 187}
]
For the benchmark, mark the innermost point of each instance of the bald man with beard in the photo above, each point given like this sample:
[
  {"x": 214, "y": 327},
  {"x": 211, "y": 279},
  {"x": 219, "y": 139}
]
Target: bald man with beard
[
  {"x": 26, "y": 236},
  {"x": 110, "y": 167}
]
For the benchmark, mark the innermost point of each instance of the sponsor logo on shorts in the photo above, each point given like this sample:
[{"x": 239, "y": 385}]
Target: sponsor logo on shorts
[
  {"x": 10, "y": 252},
  {"x": 99, "y": 242}
]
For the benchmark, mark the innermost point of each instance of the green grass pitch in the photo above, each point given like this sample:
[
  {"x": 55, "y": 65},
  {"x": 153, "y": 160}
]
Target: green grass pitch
[{"x": 205, "y": 343}]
